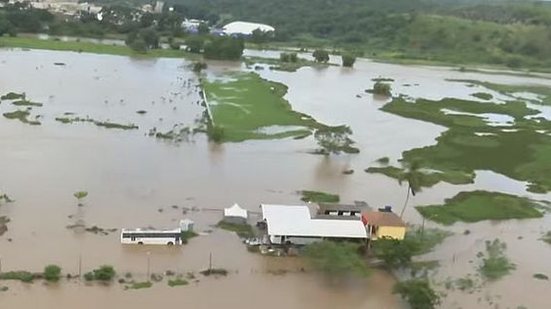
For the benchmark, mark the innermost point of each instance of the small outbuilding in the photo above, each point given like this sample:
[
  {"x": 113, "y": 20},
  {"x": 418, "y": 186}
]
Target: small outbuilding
[
  {"x": 381, "y": 224},
  {"x": 235, "y": 215},
  {"x": 186, "y": 225}
]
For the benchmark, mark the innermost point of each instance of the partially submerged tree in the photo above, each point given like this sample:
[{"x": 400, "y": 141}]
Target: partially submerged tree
[
  {"x": 413, "y": 178},
  {"x": 337, "y": 259},
  {"x": 381, "y": 88},
  {"x": 348, "y": 60},
  {"x": 418, "y": 293},
  {"x": 334, "y": 140},
  {"x": 52, "y": 273},
  {"x": 79, "y": 195},
  {"x": 321, "y": 55},
  {"x": 394, "y": 253}
]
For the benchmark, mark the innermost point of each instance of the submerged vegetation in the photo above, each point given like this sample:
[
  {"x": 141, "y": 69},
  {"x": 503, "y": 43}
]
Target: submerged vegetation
[
  {"x": 242, "y": 230},
  {"x": 514, "y": 91},
  {"x": 21, "y": 115},
  {"x": 478, "y": 135},
  {"x": 104, "y": 273},
  {"x": 547, "y": 237},
  {"x": 495, "y": 263},
  {"x": 476, "y": 206},
  {"x": 12, "y": 96},
  {"x": 249, "y": 107},
  {"x": 319, "y": 197},
  {"x": 105, "y": 124},
  {"x": 418, "y": 293},
  {"x": 337, "y": 259}
]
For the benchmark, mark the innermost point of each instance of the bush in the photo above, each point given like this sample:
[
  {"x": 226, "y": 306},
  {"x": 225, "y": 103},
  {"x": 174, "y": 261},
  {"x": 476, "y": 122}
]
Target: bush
[
  {"x": 418, "y": 293},
  {"x": 194, "y": 44},
  {"x": 382, "y": 89},
  {"x": 288, "y": 57},
  {"x": 336, "y": 258},
  {"x": 52, "y": 273},
  {"x": 216, "y": 133},
  {"x": 177, "y": 282},
  {"x": 321, "y": 55},
  {"x": 348, "y": 60},
  {"x": 224, "y": 48},
  {"x": 104, "y": 273},
  {"x": 21, "y": 275},
  {"x": 199, "y": 66}
]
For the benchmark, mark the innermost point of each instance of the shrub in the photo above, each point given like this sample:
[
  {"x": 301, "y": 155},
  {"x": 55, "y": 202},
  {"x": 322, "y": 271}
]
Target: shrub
[
  {"x": 199, "y": 66},
  {"x": 418, "y": 293},
  {"x": 382, "y": 89},
  {"x": 103, "y": 273},
  {"x": 177, "y": 282},
  {"x": 321, "y": 55},
  {"x": 348, "y": 60},
  {"x": 52, "y": 273},
  {"x": 216, "y": 133},
  {"x": 21, "y": 275},
  {"x": 336, "y": 258},
  {"x": 288, "y": 57}
]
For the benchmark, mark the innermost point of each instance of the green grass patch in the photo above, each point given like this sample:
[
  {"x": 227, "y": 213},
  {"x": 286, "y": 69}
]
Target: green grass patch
[
  {"x": 12, "y": 96},
  {"x": 476, "y": 206},
  {"x": 483, "y": 95},
  {"x": 187, "y": 235},
  {"x": 513, "y": 90},
  {"x": 26, "y": 103},
  {"x": 242, "y": 230},
  {"x": 21, "y": 275},
  {"x": 319, "y": 197},
  {"x": 541, "y": 276},
  {"x": 21, "y": 115},
  {"x": 495, "y": 263},
  {"x": 177, "y": 282},
  {"x": 140, "y": 285},
  {"x": 471, "y": 143},
  {"x": 425, "y": 179},
  {"x": 246, "y": 106},
  {"x": 383, "y": 160},
  {"x": 89, "y": 47},
  {"x": 547, "y": 237}
]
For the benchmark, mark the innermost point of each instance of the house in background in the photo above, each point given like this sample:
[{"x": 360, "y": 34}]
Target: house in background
[
  {"x": 235, "y": 215},
  {"x": 245, "y": 29},
  {"x": 380, "y": 224}
]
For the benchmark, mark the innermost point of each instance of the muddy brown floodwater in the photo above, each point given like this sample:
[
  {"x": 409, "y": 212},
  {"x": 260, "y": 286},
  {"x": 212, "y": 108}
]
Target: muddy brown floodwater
[{"x": 134, "y": 180}]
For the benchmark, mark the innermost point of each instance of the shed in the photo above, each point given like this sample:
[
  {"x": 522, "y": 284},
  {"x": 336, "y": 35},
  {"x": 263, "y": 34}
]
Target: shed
[
  {"x": 334, "y": 209},
  {"x": 235, "y": 214},
  {"x": 186, "y": 225},
  {"x": 384, "y": 224}
]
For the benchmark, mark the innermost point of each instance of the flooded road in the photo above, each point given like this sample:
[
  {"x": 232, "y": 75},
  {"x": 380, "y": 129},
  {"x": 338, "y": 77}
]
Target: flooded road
[{"x": 134, "y": 180}]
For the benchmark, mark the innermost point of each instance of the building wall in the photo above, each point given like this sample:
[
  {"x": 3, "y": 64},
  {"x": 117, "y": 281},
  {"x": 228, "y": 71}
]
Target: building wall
[{"x": 396, "y": 232}]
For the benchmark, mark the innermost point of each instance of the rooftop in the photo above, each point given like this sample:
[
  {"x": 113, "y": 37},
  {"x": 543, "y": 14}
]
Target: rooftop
[
  {"x": 296, "y": 221},
  {"x": 245, "y": 28},
  {"x": 381, "y": 218}
]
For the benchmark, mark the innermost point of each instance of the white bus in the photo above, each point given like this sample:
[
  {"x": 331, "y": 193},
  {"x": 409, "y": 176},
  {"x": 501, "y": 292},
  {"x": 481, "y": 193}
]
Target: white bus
[{"x": 151, "y": 237}]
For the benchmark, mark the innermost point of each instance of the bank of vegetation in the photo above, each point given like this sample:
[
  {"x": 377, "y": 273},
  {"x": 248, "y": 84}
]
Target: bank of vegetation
[{"x": 499, "y": 33}]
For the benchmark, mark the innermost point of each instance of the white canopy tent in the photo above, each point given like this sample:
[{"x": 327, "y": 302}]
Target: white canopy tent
[{"x": 235, "y": 212}]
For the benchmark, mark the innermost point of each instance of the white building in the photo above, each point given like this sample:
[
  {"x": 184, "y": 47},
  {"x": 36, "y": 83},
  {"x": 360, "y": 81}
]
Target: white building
[
  {"x": 295, "y": 225},
  {"x": 242, "y": 28},
  {"x": 235, "y": 214}
]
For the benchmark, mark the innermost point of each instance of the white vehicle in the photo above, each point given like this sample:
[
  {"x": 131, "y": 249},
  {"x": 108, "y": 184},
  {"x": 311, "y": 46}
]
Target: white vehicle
[{"x": 156, "y": 237}]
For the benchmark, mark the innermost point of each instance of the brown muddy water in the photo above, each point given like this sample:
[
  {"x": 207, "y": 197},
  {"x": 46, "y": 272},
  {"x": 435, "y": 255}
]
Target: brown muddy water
[{"x": 135, "y": 180}]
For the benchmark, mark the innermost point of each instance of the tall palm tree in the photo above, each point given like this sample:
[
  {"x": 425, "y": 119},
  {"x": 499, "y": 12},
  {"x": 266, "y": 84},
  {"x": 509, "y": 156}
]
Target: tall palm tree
[{"x": 413, "y": 177}]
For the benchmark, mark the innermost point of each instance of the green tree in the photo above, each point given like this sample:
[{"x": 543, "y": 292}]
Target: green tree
[
  {"x": 104, "y": 273},
  {"x": 194, "y": 44},
  {"x": 413, "y": 177},
  {"x": 394, "y": 253},
  {"x": 321, "y": 55},
  {"x": 52, "y": 273},
  {"x": 334, "y": 140},
  {"x": 418, "y": 293},
  {"x": 348, "y": 60},
  {"x": 288, "y": 57},
  {"x": 203, "y": 28},
  {"x": 79, "y": 195},
  {"x": 336, "y": 258},
  {"x": 224, "y": 48},
  {"x": 381, "y": 88},
  {"x": 150, "y": 37}
]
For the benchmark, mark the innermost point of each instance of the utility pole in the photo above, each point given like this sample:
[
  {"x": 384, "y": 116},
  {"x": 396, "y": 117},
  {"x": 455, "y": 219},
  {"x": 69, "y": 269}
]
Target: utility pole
[
  {"x": 210, "y": 261},
  {"x": 80, "y": 266},
  {"x": 148, "y": 265}
]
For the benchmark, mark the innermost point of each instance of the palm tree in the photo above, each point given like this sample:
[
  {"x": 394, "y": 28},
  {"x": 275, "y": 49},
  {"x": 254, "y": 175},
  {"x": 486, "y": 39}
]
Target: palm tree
[{"x": 413, "y": 177}]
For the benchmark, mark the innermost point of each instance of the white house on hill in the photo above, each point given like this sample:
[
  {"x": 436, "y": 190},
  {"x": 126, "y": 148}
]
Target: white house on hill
[{"x": 242, "y": 28}]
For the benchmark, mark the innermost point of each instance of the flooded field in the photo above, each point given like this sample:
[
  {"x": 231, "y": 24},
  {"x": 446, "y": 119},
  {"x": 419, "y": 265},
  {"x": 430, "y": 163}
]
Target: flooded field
[{"x": 134, "y": 179}]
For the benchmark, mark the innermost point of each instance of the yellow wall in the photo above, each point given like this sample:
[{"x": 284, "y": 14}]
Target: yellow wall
[{"x": 396, "y": 232}]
